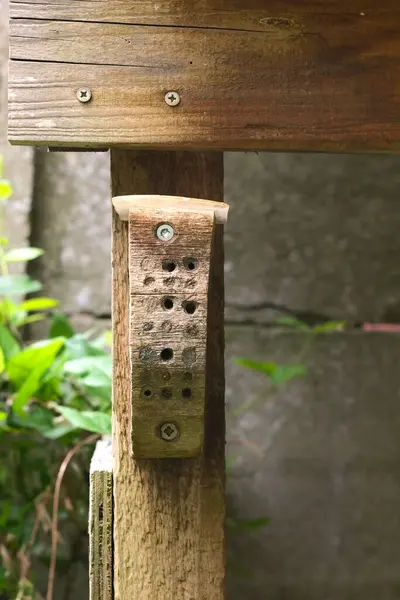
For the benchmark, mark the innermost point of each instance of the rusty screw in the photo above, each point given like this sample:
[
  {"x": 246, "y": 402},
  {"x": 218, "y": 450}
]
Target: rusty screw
[
  {"x": 84, "y": 94},
  {"x": 172, "y": 98},
  {"x": 169, "y": 432}
]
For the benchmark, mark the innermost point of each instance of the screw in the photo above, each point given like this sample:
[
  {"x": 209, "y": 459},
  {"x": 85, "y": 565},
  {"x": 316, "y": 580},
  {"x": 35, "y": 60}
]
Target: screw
[
  {"x": 169, "y": 432},
  {"x": 84, "y": 94},
  {"x": 172, "y": 98},
  {"x": 165, "y": 232}
]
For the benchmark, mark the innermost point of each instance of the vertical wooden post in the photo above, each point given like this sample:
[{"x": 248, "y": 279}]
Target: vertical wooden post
[{"x": 169, "y": 513}]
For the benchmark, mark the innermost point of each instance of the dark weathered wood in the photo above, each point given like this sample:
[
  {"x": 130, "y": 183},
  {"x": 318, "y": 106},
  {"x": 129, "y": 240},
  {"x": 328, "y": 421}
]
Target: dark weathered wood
[
  {"x": 168, "y": 514},
  {"x": 259, "y": 15},
  {"x": 101, "y": 523},
  {"x": 318, "y": 75}
]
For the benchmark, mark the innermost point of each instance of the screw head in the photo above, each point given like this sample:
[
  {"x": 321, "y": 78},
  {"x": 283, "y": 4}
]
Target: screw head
[
  {"x": 165, "y": 232},
  {"x": 169, "y": 432},
  {"x": 172, "y": 98},
  {"x": 84, "y": 94}
]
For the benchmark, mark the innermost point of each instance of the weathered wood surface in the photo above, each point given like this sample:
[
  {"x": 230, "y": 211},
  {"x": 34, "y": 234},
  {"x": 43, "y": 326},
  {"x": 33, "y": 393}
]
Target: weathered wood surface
[
  {"x": 169, "y": 283},
  {"x": 168, "y": 514},
  {"x": 318, "y": 75},
  {"x": 101, "y": 523}
]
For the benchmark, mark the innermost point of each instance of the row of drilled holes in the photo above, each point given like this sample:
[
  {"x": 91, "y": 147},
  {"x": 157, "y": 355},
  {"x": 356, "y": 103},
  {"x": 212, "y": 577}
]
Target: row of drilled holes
[
  {"x": 170, "y": 265},
  {"x": 188, "y": 305},
  {"x": 167, "y": 393}
]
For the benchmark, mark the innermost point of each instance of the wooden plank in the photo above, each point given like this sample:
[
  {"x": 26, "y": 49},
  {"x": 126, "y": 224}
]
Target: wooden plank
[
  {"x": 100, "y": 523},
  {"x": 256, "y": 15},
  {"x": 168, "y": 514},
  {"x": 330, "y": 86}
]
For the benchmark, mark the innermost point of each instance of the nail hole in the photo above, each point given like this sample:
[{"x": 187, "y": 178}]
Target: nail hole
[
  {"x": 189, "y": 307},
  {"x": 186, "y": 393},
  {"x": 190, "y": 263},
  {"x": 169, "y": 265},
  {"x": 167, "y": 354},
  {"x": 168, "y": 303},
  {"x": 188, "y": 376},
  {"x": 166, "y": 393},
  {"x": 146, "y": 391}
]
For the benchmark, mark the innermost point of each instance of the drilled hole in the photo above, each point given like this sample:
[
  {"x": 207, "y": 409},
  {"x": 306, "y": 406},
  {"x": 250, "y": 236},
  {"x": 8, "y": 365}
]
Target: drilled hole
[
  {"x": 190, "y": 263},
  {"x": 166, "y": 393},
  {"x": 186, "y": 393},
  {"x": 167, "y": 354},
  {"x": 190, "y": 307},
  {"x": 168, "y": 303},
  {"x": 188, "y": 376},
  {"x": 169, "y": 265},
  {"x": 147, "y": 392}
]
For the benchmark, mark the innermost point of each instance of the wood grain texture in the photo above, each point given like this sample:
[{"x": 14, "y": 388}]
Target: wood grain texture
[
  {"x": 320, "y": 75},
  {"x": 101, "y": 523},
  {"x": 168, "y": 514},
  {"x": 168, "y": 316}
]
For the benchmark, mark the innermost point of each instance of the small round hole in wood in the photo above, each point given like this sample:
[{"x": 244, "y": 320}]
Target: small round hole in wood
[
  {"x": 168, "y": 303},
  {"x": 147, "y": 392},
  {"x": 186, "y": 393},
  {"x": 166, "y": 354},
  {"x": 169, "y": 265},
  {"x": 166, "y": 393},
  {"x": 190, "y": 263},
  {"x": 189, "y": 307}
]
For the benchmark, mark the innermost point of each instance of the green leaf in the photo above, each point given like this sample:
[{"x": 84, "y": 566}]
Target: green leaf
[
  {"x": 329, "y": 326},
  {"x": 5, "y": 189},
  {"x": 28, "y": 389},
  {"x": 277, "y": 373},
  {"x": 37, "y": 356},
  {"x": 292, "y": 322},
  {"x": 60, "y": 326},
  {"x": 84, "y": 366},
  {"x": 21, "y": 320},
  {"x": 8, "y": 343},
  {"x": 2, "y": 361},
  {"x": 268, "y": 368},
  {"x": 22, "y": 254},
  {"x": 285, "y": 373},
  {"x": 96, "y": 422},
  {"x": 38, "y": 304},
  {"x": 18, "y": 285},
  {"x": 58, "y": 431},
  {"x": 3, "y": 418}
]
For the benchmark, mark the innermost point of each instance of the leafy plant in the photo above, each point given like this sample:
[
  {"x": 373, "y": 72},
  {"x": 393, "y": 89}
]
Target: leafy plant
[{"x": 51, "y": 393}]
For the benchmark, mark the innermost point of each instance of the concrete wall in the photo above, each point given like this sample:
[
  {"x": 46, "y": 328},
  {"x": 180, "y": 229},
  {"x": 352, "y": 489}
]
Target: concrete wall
[{"x": 313, "y": 234}]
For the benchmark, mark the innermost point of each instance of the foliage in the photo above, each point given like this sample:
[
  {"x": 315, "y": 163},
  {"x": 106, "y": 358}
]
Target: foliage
[{"x": 51, "y": 393}]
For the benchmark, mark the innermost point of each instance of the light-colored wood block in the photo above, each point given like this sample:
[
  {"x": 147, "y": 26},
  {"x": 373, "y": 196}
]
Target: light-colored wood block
[
  {"x": 100, "y": 523},
  {"x": 169, "y": 284},
  {"x": 288, "y": 75}
]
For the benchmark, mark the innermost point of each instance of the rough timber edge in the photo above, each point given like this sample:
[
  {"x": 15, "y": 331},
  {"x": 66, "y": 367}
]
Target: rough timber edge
[
  {"x": 123, "y": 204},
  {"x": 100, "y": 522},
  {"x": 102, "y": 456}
]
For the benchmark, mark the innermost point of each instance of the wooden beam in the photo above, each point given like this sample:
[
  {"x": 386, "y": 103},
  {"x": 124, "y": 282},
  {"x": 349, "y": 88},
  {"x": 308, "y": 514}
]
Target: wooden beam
[
  {"x": 257, "y": 15},
  {"x": 169, "y": 513},
  {"x": 319, "y": 75}
]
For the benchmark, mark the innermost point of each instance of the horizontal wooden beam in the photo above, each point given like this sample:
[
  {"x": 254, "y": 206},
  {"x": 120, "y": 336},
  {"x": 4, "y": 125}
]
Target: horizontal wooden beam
[{"x": 318, "y": 75}]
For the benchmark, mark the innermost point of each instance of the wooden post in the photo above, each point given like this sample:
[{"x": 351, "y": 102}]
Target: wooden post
[
  {"x": 168, "y": 514},
  {"x": 100, "y": 523}
]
